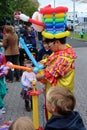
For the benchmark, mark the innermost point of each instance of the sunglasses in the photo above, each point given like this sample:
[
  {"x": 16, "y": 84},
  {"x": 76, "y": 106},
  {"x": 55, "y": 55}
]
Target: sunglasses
[{"x": 51, "y": 43}]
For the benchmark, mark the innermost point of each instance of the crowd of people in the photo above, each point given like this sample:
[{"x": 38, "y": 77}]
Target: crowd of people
[
  {"x": 15, "y": 53},
  {"x": 58, "y": 59}
]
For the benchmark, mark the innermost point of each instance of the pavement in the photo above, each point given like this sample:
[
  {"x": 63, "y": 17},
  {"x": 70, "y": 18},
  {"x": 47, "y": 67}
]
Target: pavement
[{"x": 15, "y": 104}]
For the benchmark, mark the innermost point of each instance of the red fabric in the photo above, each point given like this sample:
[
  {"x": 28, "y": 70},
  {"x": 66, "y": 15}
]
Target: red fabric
[
  {"x": 51, "y": 78},
  {"x": 2, "y": 60}
]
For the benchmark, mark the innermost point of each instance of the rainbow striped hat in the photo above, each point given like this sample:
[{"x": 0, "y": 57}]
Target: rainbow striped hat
[{"x": 55, "y": 20}]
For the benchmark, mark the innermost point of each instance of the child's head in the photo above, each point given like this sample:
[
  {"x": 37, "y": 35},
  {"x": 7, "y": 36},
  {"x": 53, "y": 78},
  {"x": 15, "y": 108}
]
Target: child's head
[
  {"x": 45, "y": 45},
  {"x": 27, "y": 63},
  {"x": 59, "y": 100},
  {"x": 9, "y": 29},
  {"x": 22, "y": 123}
]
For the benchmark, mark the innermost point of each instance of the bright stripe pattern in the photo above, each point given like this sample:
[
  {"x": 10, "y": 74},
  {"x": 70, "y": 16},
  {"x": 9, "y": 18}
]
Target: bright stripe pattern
[
  {"x": 55, "y": 22},
  {"x": 59, "y": 64}
]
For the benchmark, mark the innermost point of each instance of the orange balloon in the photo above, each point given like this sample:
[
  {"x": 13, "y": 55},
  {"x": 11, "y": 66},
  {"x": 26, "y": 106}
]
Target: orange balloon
[{"x": 19, "y": 67}]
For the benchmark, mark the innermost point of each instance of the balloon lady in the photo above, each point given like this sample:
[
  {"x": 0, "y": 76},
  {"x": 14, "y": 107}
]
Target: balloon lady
[{"x": 52, "y": 23}]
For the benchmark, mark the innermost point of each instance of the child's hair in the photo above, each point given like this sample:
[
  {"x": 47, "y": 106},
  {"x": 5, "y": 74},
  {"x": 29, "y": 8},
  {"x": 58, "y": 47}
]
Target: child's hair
[
  {"x": 62, "y": 99},
  {"x": 22, "y": 123},
  {"x": 26, "y": 62}
]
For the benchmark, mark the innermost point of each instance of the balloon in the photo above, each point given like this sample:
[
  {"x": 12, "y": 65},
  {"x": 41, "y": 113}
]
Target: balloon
[
  {"x": 50, "y": 30},
  {"x": 37, "y": 66},
  {"x": 9, "y": 64},
  {"x": 62, "y": 34},
  {"x": 55, "y": 22},
  {"x": 60, "y": 15},
  {"x": 58, "y": 25},
  {"x": 27, "y": 19},
  {"x": 37, "y": 16},
  {"x": 48, "y": 20},
  {"x": 47, "y": 35},
  {"x": 36, "y": 22},
  {"x": 59, "y": 20},
  {"x": 52, "y": 20},
  {"x": 58, "y": 35},
  {"x": 47, "y": 16},
  {"x": 24, "y": 17},
  {"x": 49, "y": 25},
  {"x": 50, "y": 10},
  {"x": 60, "y": 9}
]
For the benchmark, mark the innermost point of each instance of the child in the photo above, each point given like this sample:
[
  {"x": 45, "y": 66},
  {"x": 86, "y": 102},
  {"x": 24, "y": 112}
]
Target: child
[
  {"x": 26, "y": 81},
  {"x": 3, "y": 72},
  {"x": 22, "y": 123},
  {"x": 44, "y": 52},
  {"x": 60, "y": 103}
]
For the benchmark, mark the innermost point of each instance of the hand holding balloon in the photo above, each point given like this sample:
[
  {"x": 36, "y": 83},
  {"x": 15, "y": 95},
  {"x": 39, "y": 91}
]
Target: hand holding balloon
[{"x": 9, "y": 64}]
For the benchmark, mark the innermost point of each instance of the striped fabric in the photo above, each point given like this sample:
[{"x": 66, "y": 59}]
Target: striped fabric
[{"x": 59, "y": 64}]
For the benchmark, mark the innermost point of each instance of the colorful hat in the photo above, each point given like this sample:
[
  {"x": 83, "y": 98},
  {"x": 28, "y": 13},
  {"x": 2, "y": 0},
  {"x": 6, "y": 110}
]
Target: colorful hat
[
  {"x": 52, "y": 22},
  {"x": 55, "y": 22}
]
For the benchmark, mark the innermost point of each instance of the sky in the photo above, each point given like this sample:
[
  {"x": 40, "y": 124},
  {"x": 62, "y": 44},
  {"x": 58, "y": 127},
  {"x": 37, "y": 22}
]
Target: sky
[{"x": 80, "y": 7}]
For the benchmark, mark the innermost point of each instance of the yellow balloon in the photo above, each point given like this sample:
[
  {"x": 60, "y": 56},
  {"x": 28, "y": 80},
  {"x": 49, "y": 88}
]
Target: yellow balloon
[
  {"x": 47, "y": 35},
  {"x": 58, "y": 35},
  {"x": 47, "y": 16},
  {"x": 60, "y": 15}
]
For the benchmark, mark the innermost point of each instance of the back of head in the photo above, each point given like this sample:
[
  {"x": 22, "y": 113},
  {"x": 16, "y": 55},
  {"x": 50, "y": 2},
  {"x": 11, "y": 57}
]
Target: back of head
[
  {"x": 62, "y": 99},
  {"x": 22, "y": 123},
  {"x": 9, "y": 29}
]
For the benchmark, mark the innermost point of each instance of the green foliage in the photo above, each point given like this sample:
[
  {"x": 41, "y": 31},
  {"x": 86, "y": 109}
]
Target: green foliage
[
  {"x": 8, "y": 7},
  {"x": 4, "y": 10}
]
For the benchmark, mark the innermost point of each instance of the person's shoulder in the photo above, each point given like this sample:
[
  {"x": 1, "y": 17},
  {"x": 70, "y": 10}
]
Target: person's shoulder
[{"x": 24, "y": 72}]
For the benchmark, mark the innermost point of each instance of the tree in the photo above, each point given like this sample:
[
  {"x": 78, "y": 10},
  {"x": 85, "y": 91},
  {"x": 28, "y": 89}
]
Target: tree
[
  {"x": 25, "y": 6},
  {"x": 8, "y": 7},
  {"x": 4, "y": 10}
]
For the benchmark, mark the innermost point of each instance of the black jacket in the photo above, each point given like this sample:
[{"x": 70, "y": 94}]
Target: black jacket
[
  {"x": 43, "y": 54},
  {"x": 71, "y": 121}
]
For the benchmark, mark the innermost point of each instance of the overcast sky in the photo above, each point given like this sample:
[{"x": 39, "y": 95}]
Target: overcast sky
[{"x": 80, "y": 7}]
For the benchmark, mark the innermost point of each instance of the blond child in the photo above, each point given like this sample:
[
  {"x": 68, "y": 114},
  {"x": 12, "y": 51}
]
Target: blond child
[
  {"x": 60, "y": 102},
  {"x": 22, "y": 123}
]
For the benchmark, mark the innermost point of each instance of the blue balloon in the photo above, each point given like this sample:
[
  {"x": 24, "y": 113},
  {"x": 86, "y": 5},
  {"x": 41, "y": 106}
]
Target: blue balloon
[
  {"x": 48, "y": 25},
  {"x": 59, "y": 25},
  {"x": 37, "y": 66}
]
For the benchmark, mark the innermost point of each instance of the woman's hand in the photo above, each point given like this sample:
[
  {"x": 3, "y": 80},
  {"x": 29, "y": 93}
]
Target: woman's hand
[{"x": 6, "y": 72}]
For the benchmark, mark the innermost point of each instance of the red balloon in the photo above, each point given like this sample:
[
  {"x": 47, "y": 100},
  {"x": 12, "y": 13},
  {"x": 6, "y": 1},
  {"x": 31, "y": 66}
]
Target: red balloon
[
  {"x": 36, "y": 22},
  {"x": 50, "y": 10}
]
